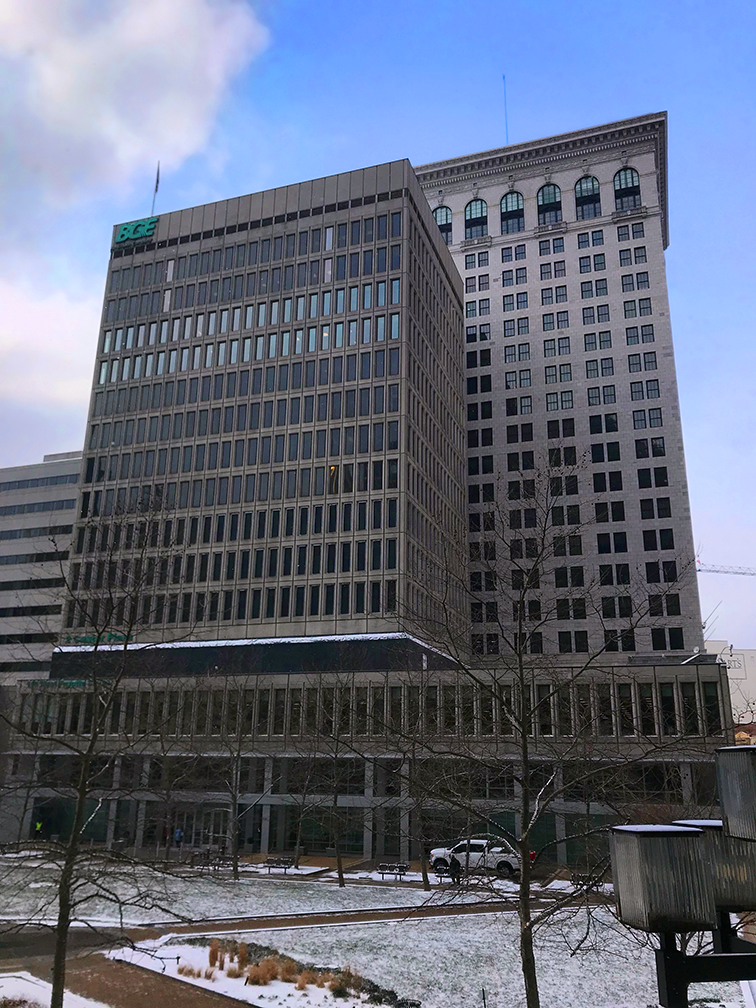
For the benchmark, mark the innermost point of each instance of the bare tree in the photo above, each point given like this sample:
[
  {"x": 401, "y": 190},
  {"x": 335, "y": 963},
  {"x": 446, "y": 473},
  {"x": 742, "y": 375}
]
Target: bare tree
[
  {"x": 81, "y": 741},
  {"x": 574, "y": 726}
]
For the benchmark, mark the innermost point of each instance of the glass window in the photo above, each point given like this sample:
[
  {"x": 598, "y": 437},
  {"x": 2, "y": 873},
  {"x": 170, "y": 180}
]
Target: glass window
[
  {"x": 549, "y": 204},
  {"x": 443, "y": 217},
  {"x": 587, "y": 198},
  {"x": 512, "y": 213},
  {"x": 627, "y": 194},
  {"x": 476, "y": 219}
]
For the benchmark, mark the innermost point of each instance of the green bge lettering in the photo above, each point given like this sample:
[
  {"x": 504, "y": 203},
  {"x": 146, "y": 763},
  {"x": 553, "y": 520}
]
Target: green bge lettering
[{"x": 137, "y": 229}]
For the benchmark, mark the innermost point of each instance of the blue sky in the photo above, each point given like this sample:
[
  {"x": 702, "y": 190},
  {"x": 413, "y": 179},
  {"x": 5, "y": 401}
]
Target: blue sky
[{"x": 234, "y": 97}]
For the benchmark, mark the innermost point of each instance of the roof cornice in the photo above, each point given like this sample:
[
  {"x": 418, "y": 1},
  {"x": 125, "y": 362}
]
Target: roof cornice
[{"x": 610, "y": 137}]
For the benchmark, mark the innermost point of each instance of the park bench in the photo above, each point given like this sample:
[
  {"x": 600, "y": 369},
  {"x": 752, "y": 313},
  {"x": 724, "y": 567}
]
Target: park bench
[
  {"x": 279, "y": 862},
  {"x": 397, "y": 870}
]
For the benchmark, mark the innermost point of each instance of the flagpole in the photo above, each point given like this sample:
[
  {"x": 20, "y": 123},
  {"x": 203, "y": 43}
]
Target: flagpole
[
  {"x": 157, "y": 183},
  {"x": 506, "y": 117}
]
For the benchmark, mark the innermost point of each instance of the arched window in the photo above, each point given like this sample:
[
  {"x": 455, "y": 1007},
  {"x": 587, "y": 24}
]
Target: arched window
[
  {"x": 476, "y": 219},
  {"x": 549, "y": 204},
  {"x": 627, "y": 194},
  {"x": 587, "y": 198},
  {"x": 444, "y": 220},
  {"x": 512, "y": 213}
]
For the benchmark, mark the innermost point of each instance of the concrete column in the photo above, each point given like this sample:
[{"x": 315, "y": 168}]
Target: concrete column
[
  {"x": 369, "y": 820},
  {"x": 267, "y": 786},
  {"x": 265, "y": 829},
  {"x": 139, "y": 832},
  {"x": 110, "y": 833}
]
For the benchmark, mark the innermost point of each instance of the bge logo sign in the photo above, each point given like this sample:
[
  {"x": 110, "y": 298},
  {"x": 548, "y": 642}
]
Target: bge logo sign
[{"x": 137, "y": 229}]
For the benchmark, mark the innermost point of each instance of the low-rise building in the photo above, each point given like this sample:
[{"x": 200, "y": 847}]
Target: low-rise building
[{"x": 37, "y": 508}]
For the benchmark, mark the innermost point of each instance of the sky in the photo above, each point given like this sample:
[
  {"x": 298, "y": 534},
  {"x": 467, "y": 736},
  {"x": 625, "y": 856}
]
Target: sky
[{"x": 234, "y": 96}]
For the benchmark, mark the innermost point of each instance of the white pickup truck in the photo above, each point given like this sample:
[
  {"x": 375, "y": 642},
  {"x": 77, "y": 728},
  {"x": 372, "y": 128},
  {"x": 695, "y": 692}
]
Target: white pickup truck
[{"x": 493, "y": 854}]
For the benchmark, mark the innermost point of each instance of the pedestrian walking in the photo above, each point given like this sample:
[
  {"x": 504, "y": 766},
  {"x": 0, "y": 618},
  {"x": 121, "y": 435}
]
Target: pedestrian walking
[{"x": 455, "y": 870}]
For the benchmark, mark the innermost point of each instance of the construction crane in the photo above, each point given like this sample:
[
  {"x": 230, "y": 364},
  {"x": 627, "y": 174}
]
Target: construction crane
[{"x": 707, "y": 569}]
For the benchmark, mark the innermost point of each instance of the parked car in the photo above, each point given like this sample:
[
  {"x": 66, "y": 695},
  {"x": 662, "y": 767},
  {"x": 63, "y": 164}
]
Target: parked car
[{"x": 478, "y": 854}]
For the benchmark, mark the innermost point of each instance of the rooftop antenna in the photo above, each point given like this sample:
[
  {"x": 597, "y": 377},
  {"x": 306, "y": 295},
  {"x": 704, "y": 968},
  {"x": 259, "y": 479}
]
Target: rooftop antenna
[
  {"x": 506, "y": 118},
  {"x": 157, "y": 183}
]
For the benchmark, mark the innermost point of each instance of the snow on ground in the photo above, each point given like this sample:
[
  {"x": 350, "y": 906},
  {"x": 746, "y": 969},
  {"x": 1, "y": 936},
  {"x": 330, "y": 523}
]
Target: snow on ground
[
  {"x": 445, "y": 962},
  {"x": 152, "y": 897},
  {"x": 272, "y": 995},
  {"x": 38, "y": 992}
]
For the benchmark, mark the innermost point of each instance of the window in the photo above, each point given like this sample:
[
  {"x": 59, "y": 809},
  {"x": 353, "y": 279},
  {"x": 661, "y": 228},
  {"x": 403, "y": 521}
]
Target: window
[
  {"x": 642, "y": 281},
  {"x": 625, "y": 257},
  {"x": 627, "y": 194},
  {"x": 476, "y": 219},
  {"x": 512, "y": 213},
  {"x": 563, "y": 318},
  {"x": 628, "y": 283},
  {"x": 443, "y": 216},
  {"x": 549, "y": 204},
  {"x": 640, "y": 254},
  {"x": 586, "y": 289},
  {"x": 587, "y": 198}
]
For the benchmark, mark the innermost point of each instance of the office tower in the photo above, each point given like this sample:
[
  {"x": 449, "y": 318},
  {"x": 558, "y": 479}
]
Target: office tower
[
  {"x": 277, "y": 401},
  {"x": 37, "y": 511},
  {"x": 277, "y": 435},
  {"x": 571, "y": 375}
]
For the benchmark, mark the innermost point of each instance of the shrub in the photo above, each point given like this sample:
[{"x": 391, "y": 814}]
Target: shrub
[
  {"x": 233, "y": 973},
  {"x": 270, "y": 968},
  {"x": 209, "y": 973},
  {"x": 243, "y": 956},
  {"x": 338, "y": 988},
  {"x": 306, "y": 977},
  {"x": 288, "y": 970},
  {"x": 212, "y": 954}
]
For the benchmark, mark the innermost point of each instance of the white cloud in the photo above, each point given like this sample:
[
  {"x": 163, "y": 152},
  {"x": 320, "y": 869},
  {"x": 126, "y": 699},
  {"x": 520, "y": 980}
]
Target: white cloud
[
  {"x": 96, "y": 92},
  {"x": 47, "y": 347}
]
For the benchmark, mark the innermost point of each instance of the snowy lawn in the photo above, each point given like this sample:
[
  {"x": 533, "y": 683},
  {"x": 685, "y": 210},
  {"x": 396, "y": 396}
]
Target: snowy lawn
[
  {"x": 28, "y": 893},
  {"x": 445, "y": 962},
  {"x": 38, "y": 992}
]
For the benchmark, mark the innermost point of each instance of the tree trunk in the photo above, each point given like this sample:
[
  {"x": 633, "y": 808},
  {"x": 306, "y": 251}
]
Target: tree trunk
[
  {"x": 61, "y": 930},
  {"x": 527, "y": 954},
  {"x": 298, "y": 842},
  {"x": 234, "y": 838},
  {"x": 424, "y": 870},
  {"x": 339, "y": 862},
  {"x": 63, "y": 922}
]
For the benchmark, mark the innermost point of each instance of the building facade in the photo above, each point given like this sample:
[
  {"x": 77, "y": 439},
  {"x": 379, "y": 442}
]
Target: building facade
[
  {"x": 297, "y": 417},
  {"x": 38, "y": 506},
  {"x": 571, "y": 376},
  {"x": 279, "y": 383}
]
